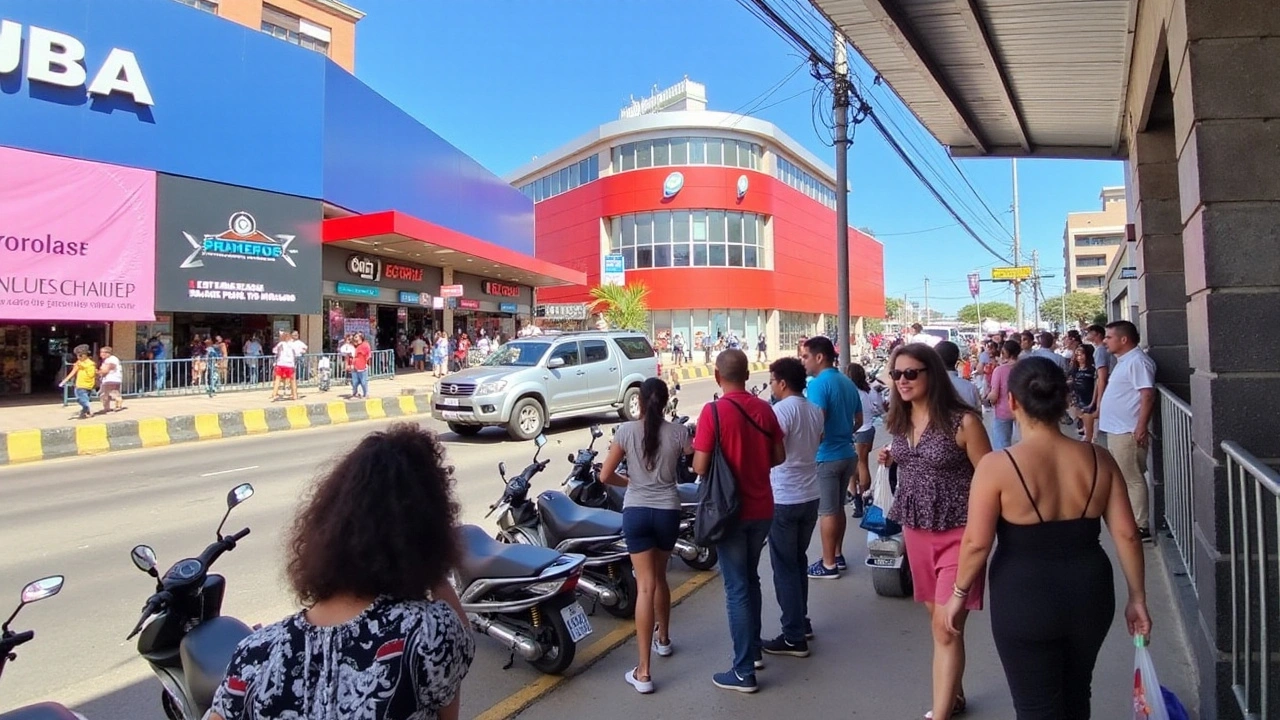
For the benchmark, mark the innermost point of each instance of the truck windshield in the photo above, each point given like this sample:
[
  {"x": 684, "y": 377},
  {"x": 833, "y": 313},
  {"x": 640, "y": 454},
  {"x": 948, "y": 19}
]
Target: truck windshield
[{"x": 518, "y": 354}]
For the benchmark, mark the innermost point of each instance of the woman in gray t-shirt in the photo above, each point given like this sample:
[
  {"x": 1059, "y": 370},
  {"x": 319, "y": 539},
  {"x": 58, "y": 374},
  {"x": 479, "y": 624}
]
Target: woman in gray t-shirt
[{"x": 653, "y": 449}]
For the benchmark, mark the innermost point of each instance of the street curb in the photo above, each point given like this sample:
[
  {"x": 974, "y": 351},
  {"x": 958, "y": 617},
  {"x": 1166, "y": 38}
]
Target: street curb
[
  {"x": 693, "y": 372},
  {"x": 27, "y": 446}
]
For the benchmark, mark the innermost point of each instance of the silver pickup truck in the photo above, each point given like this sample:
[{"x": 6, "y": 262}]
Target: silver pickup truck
[{"x": 530, "y": 380}]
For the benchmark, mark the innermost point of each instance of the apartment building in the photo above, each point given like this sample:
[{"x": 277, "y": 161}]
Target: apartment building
[
  {"x": 1092, "y": 239},
  {"x": 325, "y": 26}
]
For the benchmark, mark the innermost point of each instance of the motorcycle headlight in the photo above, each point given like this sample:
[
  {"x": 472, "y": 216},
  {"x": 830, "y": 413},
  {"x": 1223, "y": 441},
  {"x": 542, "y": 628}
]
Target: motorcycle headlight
[{"x": 491, "y": 388}]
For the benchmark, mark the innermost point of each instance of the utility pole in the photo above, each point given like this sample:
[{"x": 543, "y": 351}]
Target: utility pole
[
  {"x": 1065, "y": 270},
  {"x": 926, "y": 300},
  {"x": 840, "y": 95},
  {"x": 1017, "y": 248},
  {"x": 1035, "y": 285}
]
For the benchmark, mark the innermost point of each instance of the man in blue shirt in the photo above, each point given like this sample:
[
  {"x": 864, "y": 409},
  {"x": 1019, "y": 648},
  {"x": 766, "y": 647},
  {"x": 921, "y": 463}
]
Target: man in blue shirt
[
  {"x": 155, "y": 347},
  {"x": 841, "y": 406}
]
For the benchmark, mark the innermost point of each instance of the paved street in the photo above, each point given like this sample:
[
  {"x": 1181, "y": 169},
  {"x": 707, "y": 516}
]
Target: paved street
[{"x": 80, "y": 516}]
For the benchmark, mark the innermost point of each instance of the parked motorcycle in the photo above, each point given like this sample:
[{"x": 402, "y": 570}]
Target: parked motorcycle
[
  {"x": 9, "y": 640},
  {"x": 183, "y": 635},
  {"x": 555, "y": 521},
  {"x": 523, "y": 596}
]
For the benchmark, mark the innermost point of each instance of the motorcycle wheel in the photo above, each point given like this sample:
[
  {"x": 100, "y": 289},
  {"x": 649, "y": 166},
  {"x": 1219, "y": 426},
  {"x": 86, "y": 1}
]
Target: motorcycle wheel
[
  {"x": 560, "y": 647},
  {"x": 627, "y": 592},
  {"x": 893, "y": 582},
  {"x": 707, "y": 558}
]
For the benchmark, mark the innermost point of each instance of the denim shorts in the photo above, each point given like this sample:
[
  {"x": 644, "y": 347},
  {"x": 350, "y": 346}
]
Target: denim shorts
[
  {"x": 649, "y": 528},
  {"x": 865, "y": 437}
]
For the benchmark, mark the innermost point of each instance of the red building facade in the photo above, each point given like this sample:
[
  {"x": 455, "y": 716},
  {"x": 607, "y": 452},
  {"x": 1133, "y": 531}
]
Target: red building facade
[{"x": 729, "y": 223}]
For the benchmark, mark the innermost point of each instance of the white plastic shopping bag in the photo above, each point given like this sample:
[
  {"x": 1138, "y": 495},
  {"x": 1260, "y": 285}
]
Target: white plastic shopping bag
[
  {"x": 1148, "y": 700},
  {"x": 881, "y": 491}
]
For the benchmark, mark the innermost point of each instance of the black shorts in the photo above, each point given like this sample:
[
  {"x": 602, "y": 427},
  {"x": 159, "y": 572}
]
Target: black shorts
[{"x": 649, "y": 528}]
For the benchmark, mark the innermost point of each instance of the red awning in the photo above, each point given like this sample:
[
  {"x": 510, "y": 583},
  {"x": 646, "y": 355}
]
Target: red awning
[{"x": 418, "y": 241}]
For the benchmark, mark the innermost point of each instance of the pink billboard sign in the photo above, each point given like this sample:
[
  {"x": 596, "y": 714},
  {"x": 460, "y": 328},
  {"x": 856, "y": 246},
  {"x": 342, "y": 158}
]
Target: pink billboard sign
[{"x": 77, "y": 239}]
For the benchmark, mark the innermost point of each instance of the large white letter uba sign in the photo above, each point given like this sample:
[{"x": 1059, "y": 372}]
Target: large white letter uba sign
[{"x": 58, "y": 59}]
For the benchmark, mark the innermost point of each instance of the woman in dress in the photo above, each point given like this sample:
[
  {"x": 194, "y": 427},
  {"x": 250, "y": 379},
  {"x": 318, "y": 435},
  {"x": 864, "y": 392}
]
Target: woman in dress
[
  {"x": 1082, "y": 378},
  {"x": 440, "y": 354},
  {"x": 382, "y": 635},
  {"x": 1052, "y": 594},
  {"x": 937, "y": 441},
  {"x": 998, "y": 396},
  {"x": 653, "y": 449}
]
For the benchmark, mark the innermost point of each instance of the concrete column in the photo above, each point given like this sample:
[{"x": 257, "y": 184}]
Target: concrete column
[
  {"x": 311, "y": 332},
  {"x": 447, "y": 279},
  {"x": 124, "y": 339},
  {"x": 773, "y": 333},
  {"x": 1224, "y": 68}
]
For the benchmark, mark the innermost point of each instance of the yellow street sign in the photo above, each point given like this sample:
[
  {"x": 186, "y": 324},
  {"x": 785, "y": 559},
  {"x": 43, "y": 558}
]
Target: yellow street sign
[{"x": 1021, "y": 272}]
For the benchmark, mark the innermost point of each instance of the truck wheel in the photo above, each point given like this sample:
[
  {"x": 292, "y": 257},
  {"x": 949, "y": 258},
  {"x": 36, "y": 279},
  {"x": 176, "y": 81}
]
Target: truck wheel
[
  {"x": 630, "y": 409},
  {"x": 891, "y": 582},
  {"x": 527, "y": 420},
  {"x": 465, "y": 430}
]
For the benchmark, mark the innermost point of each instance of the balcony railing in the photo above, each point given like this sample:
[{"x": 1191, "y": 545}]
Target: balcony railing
[
  {"x": 1179, "y": 488},
  {"x": 1253, "y": 499}
]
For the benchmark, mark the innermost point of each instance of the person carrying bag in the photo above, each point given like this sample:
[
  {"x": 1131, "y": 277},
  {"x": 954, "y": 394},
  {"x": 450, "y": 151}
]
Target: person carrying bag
[{"x": 718, "y": 503}]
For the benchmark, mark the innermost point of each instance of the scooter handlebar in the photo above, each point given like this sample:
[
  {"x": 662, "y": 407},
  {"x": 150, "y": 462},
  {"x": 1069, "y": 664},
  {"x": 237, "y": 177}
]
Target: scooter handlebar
[{"x": 17, "y": 639}]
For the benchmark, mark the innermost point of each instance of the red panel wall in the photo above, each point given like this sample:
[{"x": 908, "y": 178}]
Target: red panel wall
[{"x": 804, "y": 274}]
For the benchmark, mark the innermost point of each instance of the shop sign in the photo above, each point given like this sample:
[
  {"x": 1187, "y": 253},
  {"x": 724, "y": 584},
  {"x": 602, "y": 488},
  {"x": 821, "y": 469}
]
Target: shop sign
[
  {"x": 365, "y": 267},
  {"x": 227, "y": 249},
  {"x": 94, "y": 264},
  {"x": 409, "y": 298},
  {"x": 466, "y": 304},
  {"x": 508, "y": 307},
  {"x": 437, "y": 302},
  {"x": 357, "y": 290},
  {"x": 500, "y": 289},
  {"x": 613, "y": 270},
  {"x": 1129, "y": 273},
  {"x": 743, "y": 184},
  {"x": 424, "y": 300},
  {"x": 396, "y": 271},
  {"x": 451, "y": 291},
  {"x": 56, "y": 58},
  {"x": 672, "y": 185},
  {"x": 563, "y": 311}
]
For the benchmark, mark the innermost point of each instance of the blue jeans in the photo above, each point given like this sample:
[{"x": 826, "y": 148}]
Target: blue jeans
[
  {"x": 788, "y": 540},
  {"x": 360, "y": 382},
  {"x": 740, "y": 568},
  {"x": 82, "y": 397},
  {"x": 162, "y": 372},
  {"x": 1001, "y": 433}
]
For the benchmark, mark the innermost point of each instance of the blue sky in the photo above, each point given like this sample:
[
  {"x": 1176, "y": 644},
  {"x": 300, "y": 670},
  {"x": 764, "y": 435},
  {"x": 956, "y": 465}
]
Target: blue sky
[{"x": 505, "y": 80}]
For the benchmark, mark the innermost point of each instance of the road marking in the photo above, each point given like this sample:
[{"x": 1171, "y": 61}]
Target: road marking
[
  {"x": 534, "y": 691},
  {"x": 224, "y": 472}
]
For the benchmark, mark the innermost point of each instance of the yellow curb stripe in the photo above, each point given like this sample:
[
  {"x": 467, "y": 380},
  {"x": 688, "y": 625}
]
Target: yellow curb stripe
[
  {"x": 297, "y": 415},
  {"x": 207, "y": 426},
  {"x": 255, "y": 421},
  {"x": 338, "y": 412},
  {"x": 531, "y": 693},
  {"x": 24, "y": 446},
  {"x": 375, "y": 409},
  {"x": 153, "y": 432},
  {"x": 407, "y": 405},
  {"x": 92, "y": 439}
]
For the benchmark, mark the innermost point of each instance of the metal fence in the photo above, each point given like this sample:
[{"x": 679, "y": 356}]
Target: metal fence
[
  {"x": 191, "y": 376},
  {"x": 1253, "y": 495},
  {"x": 1178, "y": 477}
]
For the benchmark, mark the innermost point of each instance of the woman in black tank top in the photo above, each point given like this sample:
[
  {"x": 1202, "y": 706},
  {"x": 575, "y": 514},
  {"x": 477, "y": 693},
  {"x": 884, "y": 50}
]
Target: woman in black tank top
[{"x": 1051, "y": 588}]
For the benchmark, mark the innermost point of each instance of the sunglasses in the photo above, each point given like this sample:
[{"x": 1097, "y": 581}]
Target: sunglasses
[{"x": 909, "y": 373}]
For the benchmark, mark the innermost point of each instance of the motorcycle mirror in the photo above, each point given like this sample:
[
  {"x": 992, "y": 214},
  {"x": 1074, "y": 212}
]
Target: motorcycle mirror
[
  {"x": 502, "y": 470},
  {"x": 596, "y": 431},
  {"x": 144, "y": 558},
  {"x": 41, "y": 589},
  {"x": 571, "y": 458},
  {"x": 540, "y": 440},
  {"x": 237, "y": 495}
]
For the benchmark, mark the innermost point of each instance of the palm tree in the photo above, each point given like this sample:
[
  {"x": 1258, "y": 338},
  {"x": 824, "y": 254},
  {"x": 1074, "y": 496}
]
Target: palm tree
[{"x": 624, "y": 306}]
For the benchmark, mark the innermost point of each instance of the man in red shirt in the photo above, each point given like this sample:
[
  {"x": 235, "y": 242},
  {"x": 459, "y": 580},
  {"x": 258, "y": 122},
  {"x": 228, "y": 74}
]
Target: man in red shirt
[
  {"x": 360, "y": 367},
  {"x": 751, "y": 441}
]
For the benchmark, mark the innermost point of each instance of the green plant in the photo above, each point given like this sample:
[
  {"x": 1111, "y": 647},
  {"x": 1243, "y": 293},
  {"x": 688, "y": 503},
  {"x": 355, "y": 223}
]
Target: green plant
[
  {"x": 1080, "y": 307},
  {"x": 624, "y": 306},
  {"x": 1002, "y": 311}
]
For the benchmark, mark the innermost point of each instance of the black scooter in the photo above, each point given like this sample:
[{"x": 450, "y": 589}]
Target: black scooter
[
  {"x": 184, "y": 636},
  {"x": 556, "y": 522},
  {"x": 9, "y": 640}
]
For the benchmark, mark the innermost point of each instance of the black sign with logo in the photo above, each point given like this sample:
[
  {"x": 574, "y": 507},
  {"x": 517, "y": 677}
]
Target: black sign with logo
[
  {"x": 226, "y": 249},
  {"x": 365, "y": 267},
  {"x": 500, "y": 289}
]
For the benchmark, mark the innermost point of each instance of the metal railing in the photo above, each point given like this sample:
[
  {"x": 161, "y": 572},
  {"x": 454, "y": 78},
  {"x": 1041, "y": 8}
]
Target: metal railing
[
  {"x": 191, "y": 376},
  {"x": 1178, "y": 477},
  {"x": 1253, "y": 499}
]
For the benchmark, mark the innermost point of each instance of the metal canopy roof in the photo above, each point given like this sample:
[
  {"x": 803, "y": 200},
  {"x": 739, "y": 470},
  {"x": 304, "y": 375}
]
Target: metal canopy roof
[{"x": 1002, "y": 77}]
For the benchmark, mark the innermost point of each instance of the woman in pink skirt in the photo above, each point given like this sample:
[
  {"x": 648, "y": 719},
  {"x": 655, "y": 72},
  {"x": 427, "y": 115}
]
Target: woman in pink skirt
[{"x": 937, "y": 441}]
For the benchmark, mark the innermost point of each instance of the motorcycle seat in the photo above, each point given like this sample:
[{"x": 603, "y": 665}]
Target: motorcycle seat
[
  {"x": 206, "y": 652},
  {"x": 567, "y": 520},
  {"x": 488, "y": 558},
  {"x": 41, "y": 711},
  {"x": 688, "y": 493}
]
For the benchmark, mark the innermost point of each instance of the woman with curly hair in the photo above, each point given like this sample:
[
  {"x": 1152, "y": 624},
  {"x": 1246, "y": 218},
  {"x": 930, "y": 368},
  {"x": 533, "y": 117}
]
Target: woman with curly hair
[{"x": 382, "y": 635}]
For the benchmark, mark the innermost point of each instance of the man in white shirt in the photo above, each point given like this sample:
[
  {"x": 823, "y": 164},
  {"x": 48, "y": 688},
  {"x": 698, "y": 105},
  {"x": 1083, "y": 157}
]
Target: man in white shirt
[
  {"x": 112, "y": 374},
  {"x": 286, "y": 360},
  {"x": 253, "y": 353},
  {"x": 1046, "y": 351},
  {"x": 795, "y": 504},
  {"x": 1125, "y": 413},
  {"x": 968, "y": 392}
]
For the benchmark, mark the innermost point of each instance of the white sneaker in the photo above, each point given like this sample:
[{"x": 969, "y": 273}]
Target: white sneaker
[
  {"x": 644, "y": 687},
  {"x": 662, "y": 650}
]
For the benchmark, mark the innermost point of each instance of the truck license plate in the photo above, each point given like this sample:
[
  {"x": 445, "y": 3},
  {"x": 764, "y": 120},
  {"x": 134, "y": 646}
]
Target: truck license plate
[{"x": 576, "y": 620}]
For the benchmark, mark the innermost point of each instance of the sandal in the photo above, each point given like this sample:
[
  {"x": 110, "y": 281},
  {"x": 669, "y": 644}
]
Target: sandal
[{"x": 959, "y": 707}]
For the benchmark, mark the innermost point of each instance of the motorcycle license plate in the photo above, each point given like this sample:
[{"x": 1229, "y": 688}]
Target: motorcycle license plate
[
  {"x": 449, "y": 402},
  {"x": 576, "y": 620},
  {"x": 885, "y": 562}
]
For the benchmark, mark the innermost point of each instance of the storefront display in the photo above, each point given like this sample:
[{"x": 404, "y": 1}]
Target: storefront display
[
  {"x": 390, "y": 301},
  {"x": 15, "y": 360}
]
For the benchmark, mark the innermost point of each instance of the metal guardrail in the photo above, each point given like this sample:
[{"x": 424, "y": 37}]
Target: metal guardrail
[
  {"x": 1253, "y": 499},
  {"x": 192, "y": 376},
  {"x": 1178, "y": 476}
]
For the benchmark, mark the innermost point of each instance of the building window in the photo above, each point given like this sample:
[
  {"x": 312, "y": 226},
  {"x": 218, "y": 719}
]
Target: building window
[
  {"x": 296, "y": 30},
  {"x": 798, "y": 178},
  {"x": 209, "y": 6},
  {"x": 679, "y": 151},
  {"x": 1098, "y": 241},
  {"x": 1089, "y": 282},
  {"x": 1091, "y": 261},
  {"x": 684, "y": 238},
  {"x": 563, "y": 180}
]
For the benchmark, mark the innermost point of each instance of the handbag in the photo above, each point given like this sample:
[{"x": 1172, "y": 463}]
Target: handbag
[
  {"x": 718, "y": 503},
  {"x": 875, "y": 519}
]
